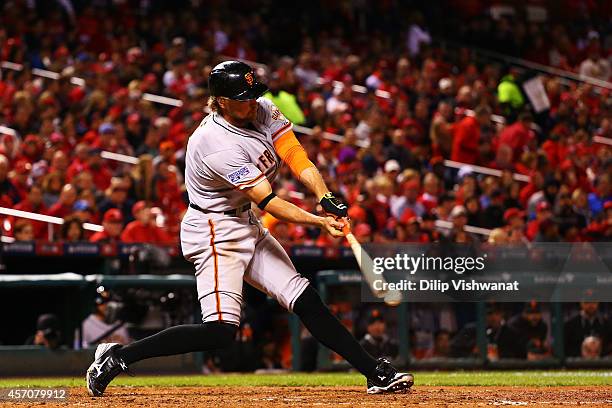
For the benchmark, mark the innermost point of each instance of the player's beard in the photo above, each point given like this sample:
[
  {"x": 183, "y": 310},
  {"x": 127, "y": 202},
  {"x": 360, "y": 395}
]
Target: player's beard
[{"x": 241, "y": 121}]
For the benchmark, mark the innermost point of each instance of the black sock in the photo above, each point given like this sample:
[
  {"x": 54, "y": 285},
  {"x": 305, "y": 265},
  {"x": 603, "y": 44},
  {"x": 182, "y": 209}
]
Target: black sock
[
  {"x": 326, "y": 328},
  {"x": 180, "y": 339}
]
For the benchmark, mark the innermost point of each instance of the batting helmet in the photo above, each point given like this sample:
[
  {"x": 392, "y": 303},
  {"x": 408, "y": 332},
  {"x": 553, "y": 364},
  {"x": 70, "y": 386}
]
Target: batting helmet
[{"x": 235, "y": 80}]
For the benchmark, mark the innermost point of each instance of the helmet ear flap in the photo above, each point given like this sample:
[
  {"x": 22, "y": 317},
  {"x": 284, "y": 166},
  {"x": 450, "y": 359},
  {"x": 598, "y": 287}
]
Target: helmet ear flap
[{"x": 215, "y": 79}]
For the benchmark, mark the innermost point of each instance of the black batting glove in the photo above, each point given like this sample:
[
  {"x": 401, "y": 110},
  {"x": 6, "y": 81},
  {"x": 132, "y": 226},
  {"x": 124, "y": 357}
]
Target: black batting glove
[{"x": 332, "y": 206}]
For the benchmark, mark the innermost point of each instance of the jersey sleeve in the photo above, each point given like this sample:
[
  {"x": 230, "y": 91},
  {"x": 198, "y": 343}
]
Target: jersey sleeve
[
  {"x": 272, "y": 118},
  {"x": 233, "y": 168}
]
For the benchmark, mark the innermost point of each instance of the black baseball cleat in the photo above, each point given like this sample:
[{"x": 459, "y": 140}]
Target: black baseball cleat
[
  {"x": 105, "y": 367},
  {"x": 386, "y": 379}
]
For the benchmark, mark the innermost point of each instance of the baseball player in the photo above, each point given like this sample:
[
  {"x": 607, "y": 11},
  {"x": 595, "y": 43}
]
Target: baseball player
[{"x": 231, "y": 159}]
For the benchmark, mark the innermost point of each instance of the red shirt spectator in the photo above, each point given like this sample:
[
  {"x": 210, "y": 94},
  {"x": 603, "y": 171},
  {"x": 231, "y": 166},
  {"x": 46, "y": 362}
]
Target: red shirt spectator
[
  {"x": 101, "y": 174},
  {"x": 517, "y": 135},
  {"x": 431, "y": 191},
  {"x": 168, "y": 192},
  {"x": 113, "y": 224},
  {"x": 63, "y": 207},
  {"x": 143, "y": 230},
  {"x": 466, "y": 136},
  {"x": 20, "y": 179},
  {"x": 34, "y": 203},
  {"x": 79, "y": 161},
  {"x": 31, "y": 149},
  {"x": 542, "y": 213}
]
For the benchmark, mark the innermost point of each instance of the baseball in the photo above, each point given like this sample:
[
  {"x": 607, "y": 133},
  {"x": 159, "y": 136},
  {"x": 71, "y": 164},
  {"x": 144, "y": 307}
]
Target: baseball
[{"x": 393, "y": 298}]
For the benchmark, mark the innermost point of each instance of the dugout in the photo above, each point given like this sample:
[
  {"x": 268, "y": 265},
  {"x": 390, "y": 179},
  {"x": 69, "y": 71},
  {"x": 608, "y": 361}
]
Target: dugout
[{"x": 23, "y": 297}]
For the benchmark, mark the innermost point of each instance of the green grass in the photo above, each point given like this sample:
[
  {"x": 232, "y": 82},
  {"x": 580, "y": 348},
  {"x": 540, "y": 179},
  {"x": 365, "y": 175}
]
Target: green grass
[{"x": 467, "y": 378}]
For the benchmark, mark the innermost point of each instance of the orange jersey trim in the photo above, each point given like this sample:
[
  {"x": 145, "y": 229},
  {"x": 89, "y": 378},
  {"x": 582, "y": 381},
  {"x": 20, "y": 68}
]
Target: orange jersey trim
[
  {"x": 280, "y": 131},
  {"x": 216, "y": 263},
  {"x": 249, "y": 183}
]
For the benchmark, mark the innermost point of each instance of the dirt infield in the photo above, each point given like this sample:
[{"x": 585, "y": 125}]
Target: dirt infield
[{"x": 214, "y": 397}]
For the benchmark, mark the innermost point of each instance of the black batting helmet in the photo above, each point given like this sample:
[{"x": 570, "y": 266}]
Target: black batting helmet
[{"x": 235, "y": 80}]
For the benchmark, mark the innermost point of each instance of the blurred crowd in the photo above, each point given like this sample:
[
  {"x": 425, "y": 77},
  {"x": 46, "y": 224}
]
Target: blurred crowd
[
  {"x": 524, "y": 334},
  {"x": 400, "y": 103},
  {"x": 536, "y": 31},
  {"x": 515, "y": 331}
]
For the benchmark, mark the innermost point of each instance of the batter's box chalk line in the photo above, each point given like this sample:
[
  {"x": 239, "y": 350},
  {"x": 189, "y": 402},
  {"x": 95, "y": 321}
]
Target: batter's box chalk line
[{"x": 508, "y": 402}]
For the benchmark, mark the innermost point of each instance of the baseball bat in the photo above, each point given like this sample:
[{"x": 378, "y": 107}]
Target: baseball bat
[{"x": 366, "y": 266}]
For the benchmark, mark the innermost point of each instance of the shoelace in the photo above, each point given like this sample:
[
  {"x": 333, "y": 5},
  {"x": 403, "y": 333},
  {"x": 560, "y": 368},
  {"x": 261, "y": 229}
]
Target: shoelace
[{"x": 386, "y": 368}]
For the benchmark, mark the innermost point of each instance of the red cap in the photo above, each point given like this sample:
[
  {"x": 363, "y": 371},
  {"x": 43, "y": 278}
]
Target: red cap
[
  {"x": 133, "y": 118},
  {"x": 298, "y": 232},
  {"x": 436, "y": 160},
  {"x": 566, "y": 165},
  {"x": 362, "y": 230},
  {"x": 566, "y": 96},
  {"x": 513, "y": 212},
  {"x": 76, "y": 94},
  {"x": 167, "y": 144},
  {"x": 140, "y": 205},
  {"x": 175, "y": 114},
  {"x": 121, "y": 93},
  {"x": 89, "y": 137},
  {"x": 346, "y": 118},
  {"x": 356, "y": 212},
  {"x": 407, "y": 216},
  {"x": 115, "y": 111},
  {"x": 62, "y": 51},
  {"x": 326, "y": 145},
  {"x": 113, "y": 215},
  {"x": 543, "y": 206},
  {"x": 23, "y": 167},
  {"x": 413, "y": 184},
  {"x": 48, "y": 100},
  {"x": 150, "y": 78},
  {"x": 56, "y": 137},
  {"x": 411, "y": 220},
  {"x": 31, "y": 138}
]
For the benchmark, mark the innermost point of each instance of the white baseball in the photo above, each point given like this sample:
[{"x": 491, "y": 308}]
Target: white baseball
[{"x": 393, "y": 297}]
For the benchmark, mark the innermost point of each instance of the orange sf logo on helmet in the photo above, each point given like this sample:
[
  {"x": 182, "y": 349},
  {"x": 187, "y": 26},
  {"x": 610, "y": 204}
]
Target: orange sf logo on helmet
[{"x": 249, "y": 78}]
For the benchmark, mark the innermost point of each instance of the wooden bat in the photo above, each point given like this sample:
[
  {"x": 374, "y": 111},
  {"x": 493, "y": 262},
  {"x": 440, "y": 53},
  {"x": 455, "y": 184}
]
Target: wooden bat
[{"x": 366, "y": 266}]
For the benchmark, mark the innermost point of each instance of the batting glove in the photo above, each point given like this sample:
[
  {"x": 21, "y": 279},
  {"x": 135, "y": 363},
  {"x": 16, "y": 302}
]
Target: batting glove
[{"x": 331, "y": 205}]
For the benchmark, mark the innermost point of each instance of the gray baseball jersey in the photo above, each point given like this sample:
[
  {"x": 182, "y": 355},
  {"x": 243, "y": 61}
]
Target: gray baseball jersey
[{"x": 222, "y": 160}]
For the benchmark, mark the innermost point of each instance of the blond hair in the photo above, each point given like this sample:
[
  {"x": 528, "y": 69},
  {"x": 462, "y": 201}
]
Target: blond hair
[{"x": 213, "y": 104}]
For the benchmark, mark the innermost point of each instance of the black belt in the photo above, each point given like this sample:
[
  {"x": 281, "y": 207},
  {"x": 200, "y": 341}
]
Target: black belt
[{"x": 232, "y": 213}]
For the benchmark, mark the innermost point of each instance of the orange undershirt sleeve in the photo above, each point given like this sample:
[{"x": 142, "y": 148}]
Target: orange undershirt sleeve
[{"x": 291, "y": 152}]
